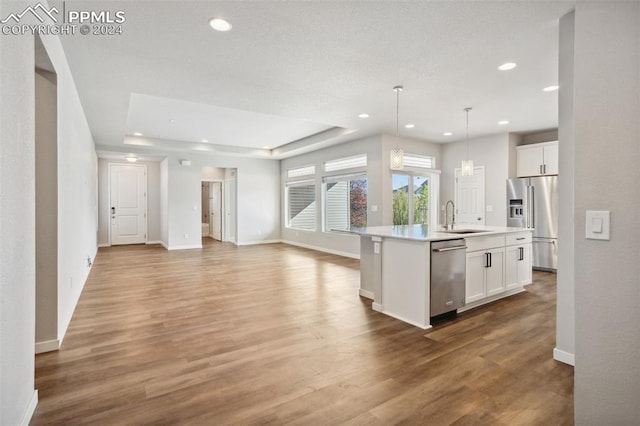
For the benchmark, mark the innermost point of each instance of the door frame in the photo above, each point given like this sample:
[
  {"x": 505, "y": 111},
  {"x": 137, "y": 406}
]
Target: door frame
[
  {"x": 146, "y": 192},
  {"x": 222, "y": 205}
]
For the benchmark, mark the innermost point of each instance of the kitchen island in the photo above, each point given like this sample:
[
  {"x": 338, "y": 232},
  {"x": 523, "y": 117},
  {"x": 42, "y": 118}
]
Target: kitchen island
[{"x": 395, "y": 266}]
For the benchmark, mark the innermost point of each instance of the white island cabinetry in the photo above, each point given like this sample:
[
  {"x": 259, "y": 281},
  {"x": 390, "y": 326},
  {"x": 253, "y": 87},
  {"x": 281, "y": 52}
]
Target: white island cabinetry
[
  {"x": 485, "y": 267},
  {"x": 519, "y": 260},
  {"x": 395, "y": 267}
]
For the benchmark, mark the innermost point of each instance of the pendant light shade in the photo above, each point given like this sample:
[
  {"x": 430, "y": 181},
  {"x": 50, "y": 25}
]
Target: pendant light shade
[
  {"x": 397, "y": 154},
  {"x": 467, "y": 165}
]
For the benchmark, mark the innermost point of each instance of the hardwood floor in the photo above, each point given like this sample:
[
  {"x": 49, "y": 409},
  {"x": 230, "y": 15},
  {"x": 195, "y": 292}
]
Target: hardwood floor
[{"x": 276, "y": 334}]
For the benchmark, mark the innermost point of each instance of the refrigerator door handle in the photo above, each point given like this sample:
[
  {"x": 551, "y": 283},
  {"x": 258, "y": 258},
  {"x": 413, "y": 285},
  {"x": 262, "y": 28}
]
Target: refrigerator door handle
[{"x": 531, "y": 218}]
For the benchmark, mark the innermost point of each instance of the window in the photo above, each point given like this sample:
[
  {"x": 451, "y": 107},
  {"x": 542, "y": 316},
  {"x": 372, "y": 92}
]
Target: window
[
  {"x": 301, "y": 171},
  {"x": 301, "y": 205},
  {"x": 346, "y": 163},
  {"x": 411, "y": 199},
  {"x": 419, "y": 161},
  {"x": 345, "y": 202}
]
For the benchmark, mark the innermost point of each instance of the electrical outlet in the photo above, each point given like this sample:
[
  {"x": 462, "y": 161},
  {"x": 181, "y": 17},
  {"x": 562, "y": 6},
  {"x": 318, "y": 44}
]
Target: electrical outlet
[
  {"x": 89, "y": 262},
  {"x": 186, "y": 236}
]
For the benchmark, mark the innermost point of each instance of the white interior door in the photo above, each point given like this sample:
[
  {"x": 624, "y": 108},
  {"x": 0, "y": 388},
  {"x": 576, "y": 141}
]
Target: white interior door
[
  {"x": 128, "y": 203},
  {"x": 469, "y": 197},
  {"x": 215, "y": 210}
]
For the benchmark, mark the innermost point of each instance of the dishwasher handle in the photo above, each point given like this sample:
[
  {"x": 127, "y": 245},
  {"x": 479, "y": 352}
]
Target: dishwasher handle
[{"x": 440, "y": 250}]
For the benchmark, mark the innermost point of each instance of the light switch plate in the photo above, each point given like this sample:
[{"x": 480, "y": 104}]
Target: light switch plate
[{"x": 597, "y": 225}]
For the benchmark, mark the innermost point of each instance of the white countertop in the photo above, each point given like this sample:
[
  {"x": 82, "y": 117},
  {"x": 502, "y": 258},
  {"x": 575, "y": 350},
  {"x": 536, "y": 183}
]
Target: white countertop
[{"x": 424, "y": 233}]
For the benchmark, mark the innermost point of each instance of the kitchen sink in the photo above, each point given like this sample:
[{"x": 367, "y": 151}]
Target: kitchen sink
[{"x": 464, "y": 231}]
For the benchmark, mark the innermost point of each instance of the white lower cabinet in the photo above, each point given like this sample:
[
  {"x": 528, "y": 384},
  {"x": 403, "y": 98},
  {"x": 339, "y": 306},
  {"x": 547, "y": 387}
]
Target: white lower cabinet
[
  {"x": 518, "y": 266},
  {"x": 497, "y": 264},
  {"x": 485, "y": 274}
]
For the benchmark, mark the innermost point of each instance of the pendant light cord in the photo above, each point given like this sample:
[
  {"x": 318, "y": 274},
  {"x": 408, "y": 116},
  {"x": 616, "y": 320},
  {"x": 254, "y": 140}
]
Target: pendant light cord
[
  {"x": 397, "y": 89},
  {"x": 467, "y": 135}
]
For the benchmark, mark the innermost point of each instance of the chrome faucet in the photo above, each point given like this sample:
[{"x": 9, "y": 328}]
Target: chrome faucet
[{"x": 453, "y": 215}]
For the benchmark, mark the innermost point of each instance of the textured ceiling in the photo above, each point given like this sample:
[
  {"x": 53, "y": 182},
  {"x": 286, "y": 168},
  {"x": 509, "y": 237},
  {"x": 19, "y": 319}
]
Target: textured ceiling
[{"x": 288, "y": 70}]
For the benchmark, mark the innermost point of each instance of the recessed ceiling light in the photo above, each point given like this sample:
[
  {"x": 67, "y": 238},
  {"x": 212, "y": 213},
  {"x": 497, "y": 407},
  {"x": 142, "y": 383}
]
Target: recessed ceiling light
[
  {"x": 409, "y": 126},
  {"x": 205, "y": 140},
  {"x": 219, "y": 24},
  {"x": 265, "y": 147},
  {"x": 507, "y": 66},
  {"x": 503, "y": 122},
  {"x": 137, "y": 134},
  {"x": 173, "y": 120},
  {"x": 551, "y": 88},
  {"x": 363, "y": 115},
  {"x": 447, "y": 134},
  {"x": 132, "y": 158}
]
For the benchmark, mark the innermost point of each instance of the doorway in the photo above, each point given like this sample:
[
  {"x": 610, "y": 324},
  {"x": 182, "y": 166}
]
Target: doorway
[
  {"x": 127, "y": 203},
  {"x": 211, "y": 223}
]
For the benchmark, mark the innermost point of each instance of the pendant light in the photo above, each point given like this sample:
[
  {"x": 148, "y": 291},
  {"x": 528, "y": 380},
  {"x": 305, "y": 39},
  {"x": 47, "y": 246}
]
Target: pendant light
[
  {"x": 397, "y": 154},
  {"x": 467, "y": 165}
]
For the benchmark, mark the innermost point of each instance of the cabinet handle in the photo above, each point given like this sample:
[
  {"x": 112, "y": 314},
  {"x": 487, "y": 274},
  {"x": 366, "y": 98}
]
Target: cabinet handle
[
  {"x": 521, "y": 238},
  {"x": 486, "y": 260},
  {"x": 521, "y": 250},
  {"x": 544, "y": 169},
  {"x": 540, "y": 168}
]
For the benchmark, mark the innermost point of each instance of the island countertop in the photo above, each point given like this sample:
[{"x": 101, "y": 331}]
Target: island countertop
[{"x": 426, "y": 233}]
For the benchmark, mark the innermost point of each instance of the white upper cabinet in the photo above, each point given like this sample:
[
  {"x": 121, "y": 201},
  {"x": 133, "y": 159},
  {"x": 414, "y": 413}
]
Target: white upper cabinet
[{"x": 538, "y": 159}]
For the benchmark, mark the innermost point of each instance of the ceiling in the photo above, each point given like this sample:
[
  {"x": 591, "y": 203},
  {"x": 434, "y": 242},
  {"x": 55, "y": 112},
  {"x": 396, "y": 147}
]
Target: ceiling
[{"x": 294, "y": 76}]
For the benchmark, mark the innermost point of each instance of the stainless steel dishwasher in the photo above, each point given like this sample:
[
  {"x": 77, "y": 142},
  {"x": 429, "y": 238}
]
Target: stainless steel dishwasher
[{"x": 448, "y": 275}]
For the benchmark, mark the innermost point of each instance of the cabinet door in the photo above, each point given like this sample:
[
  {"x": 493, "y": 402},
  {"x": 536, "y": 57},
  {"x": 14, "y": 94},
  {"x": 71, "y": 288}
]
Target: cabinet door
[
  {"x": 495, "y": 272},
  {"x": 524, "y": 266},
  {"x": 550, "y": 156},
  {"x": 512, "y": 267},
  {"x": 529, "y": 160},
  {"x": 474, "y": 284}
]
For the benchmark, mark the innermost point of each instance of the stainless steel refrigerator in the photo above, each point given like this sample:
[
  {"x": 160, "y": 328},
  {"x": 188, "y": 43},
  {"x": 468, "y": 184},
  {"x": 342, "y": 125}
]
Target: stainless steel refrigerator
[{"x": 533, "y": 203}]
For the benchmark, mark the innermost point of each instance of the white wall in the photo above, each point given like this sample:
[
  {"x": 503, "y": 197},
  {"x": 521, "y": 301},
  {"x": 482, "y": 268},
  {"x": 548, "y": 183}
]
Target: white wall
[
  {"x": 258, "y": 199},
  {"x": 565, "y": 283},
  {"x": 339, "y": 243},
  {"x": 607, "y": 154},
  {"x": 154, "y": 233},
  {"x": 492, "y": 152},
  {"x": 17, "y": 227},
  {"x": 77, "y": 189}
]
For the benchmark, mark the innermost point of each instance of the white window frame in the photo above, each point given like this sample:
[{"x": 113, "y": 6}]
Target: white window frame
[
  {"x": 345, "y": 163},
  {"x": 296, "y": 172},
  {"x": 434, "y": 192},
  {"x": 307, "y": 182},
  {"x": 334, "y": 179},
  {"x": 412, "y": 162}
]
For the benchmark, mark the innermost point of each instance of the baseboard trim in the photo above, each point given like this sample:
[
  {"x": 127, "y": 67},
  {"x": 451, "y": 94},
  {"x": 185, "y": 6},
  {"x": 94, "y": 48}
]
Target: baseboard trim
[
  {"x": 253, "y": 243},
  {"x": 366, "y": 293},
  {"x": 377, "y": 307},
  {"x": 322, "y": 249},
  {"x": 191, "y": 247},
  {"x": 154, "y": 242},
  {"x": 47, "y": 346},
  {"x": 31, "y": 408},
  {"x": 101, "y": 245},
  {"x": 564, "y": 357},
  {"x": 408, "y": 321},
  {"x": 491, "y": 299}
]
